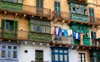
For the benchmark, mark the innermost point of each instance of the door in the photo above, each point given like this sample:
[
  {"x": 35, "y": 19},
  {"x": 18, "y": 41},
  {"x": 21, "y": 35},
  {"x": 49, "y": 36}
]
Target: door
[
  {"x": 60, "y": 55},
  {"x": 39, "y": 56},
  {"x": 82, "y": 57},
  {"x": 57, "y": 8},
  {"x": 39, "y": 6},
  {"x": 91, "y": 15}
]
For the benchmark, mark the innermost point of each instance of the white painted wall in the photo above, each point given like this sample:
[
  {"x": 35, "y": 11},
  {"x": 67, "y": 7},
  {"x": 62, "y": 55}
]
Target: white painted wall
[
  {"x": 28, "y": 57},
  {"x": 73, "y": 55}
]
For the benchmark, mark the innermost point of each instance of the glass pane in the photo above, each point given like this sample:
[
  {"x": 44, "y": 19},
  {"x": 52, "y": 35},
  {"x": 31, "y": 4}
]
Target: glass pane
[
  {"x": 61, "y": 51},
  {"x": 95, "y": 59},
  {"x": 33, "y": 21},
  {"x": 56, "y": 57},
  {"x": 61, "y": 57},
  {"x": 43, "y": 23},
  {"x": 19, "y": 1},
  {"x": 43, "y": 29},
  {"x": 38, "y": 22},
  {"x": 9, "y": 47},
  {"x": 3, "y": 47},
  {"x": 48, "y": 30},
  {"x": 33, "y": 27},
  {"x": 56, "y": 50},
  {"x": 38, "y": 28},
  {"x": 15, "y": 1},
  {"x": 83, "y": 55},
  {"x": 65, "y": 51},
  {"x": 9, "y": 0},
  {"x": 65, "y": 57},
  {"x": 14, "y": 54},
  {"x": 15, "y": 47},
  {"x": 9, "y": 54},
  {"x": 48, "y": 23},
  {"x": 3, "y": 53},
  {"x": 98, "y": 59}
]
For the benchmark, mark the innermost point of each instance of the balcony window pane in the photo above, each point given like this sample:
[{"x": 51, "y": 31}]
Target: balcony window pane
[
  {"x": 33, "y": 28},
  {"x": 38, "y": 28},
  {"x": 43, "y": 29},
  {"x": 20, "y": 1},
  {"x": 48, "y": 30},
  {"x": 9, "y": 0},
  {"x": 3, "y": 54},
  {"x": 15, "y": 1},
  {"x": 43, "y": 23},
  {"x": 48, "y": 23},
  {"x": 14, "y": 54},
  {"x": 32, "y": 21}
]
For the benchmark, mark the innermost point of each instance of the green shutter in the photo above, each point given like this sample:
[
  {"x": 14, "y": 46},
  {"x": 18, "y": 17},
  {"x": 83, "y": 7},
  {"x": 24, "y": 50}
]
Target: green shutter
[
  {"x": 37, "y": 3},
  {"x": 3, "y": 24},
  {"x": 94, "y": 35},
  {"x": 15, "y": 25}
]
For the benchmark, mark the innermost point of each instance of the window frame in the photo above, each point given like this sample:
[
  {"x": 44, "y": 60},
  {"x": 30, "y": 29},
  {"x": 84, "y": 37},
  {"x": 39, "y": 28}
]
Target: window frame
[
  {"x": 94, "y": 35},
  {"x": 35, "y": 23},
  {"x": 6, "y": 49}
]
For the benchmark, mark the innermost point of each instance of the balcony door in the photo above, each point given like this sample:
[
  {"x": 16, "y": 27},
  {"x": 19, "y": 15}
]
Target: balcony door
[
  {"x": 57, "y": 8},
  {"x": 9, "y": 28},
  {"x": 91, "y": 15},
  {"x": 39, "y": 7}
]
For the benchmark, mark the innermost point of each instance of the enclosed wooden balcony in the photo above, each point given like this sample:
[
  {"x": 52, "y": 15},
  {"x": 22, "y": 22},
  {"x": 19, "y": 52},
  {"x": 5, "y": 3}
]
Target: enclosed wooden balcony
[
  {"x": 5, "y": 5},
  {"x": 78, "y": 1}
]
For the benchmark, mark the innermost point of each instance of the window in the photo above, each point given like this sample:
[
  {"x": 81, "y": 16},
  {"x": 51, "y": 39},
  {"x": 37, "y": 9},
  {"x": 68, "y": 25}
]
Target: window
[
  {"x": 15, "y": 1},
  {"x": 39, "y": 3},
  {"x": 60, "y": 55},
  {"x": 9, "y": 52},
  {"x": 39, "y": 56},
  {"x": 9, "y": 24},
  {"x": 93, "y": 35},
  {"x": 92, "y": 15},
  {"x": 40, "y": 26},
  {"x": 82, "y": 57}
]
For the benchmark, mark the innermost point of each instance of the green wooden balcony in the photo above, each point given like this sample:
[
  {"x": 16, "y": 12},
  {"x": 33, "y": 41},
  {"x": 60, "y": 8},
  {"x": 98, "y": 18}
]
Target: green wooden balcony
[
  {"x": 40, "y": 37},
  {"x": 11, "y": 6},
  {"x": 8, "y": 34}
]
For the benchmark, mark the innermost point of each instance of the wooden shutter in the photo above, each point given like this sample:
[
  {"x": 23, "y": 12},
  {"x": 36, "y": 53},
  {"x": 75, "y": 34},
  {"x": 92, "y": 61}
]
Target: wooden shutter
[
  {"x": 3, "y": 24},
  {"x": 15, "y": 25}
]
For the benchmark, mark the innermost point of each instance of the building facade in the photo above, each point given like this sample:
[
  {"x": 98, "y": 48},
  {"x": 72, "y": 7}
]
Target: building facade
[{"x": 49, "y": 31}]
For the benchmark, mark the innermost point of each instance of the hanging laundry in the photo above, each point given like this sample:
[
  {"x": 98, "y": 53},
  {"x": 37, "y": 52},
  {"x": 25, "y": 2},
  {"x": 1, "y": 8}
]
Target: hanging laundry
[
  {"x": 81, "y": 39},
  {"x": 63, "y": 30},
  {"x": 78, "y": 36},
  {"x": 65, "y": 33},
  {"x": 56, "y": 31},
  {"x": 60, "y": 32},
  {"x": 70, "y": 32}
]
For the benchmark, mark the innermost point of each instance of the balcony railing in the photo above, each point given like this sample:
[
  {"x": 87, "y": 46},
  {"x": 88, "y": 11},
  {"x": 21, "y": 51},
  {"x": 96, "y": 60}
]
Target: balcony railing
[
  {"x": 33, "y": 10},
  {"x": 95, "y": 42},
  {"x": 24, "y": 35},
  {"x": 63, "y": 40},
  {"x": 39, "y": 37}
]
